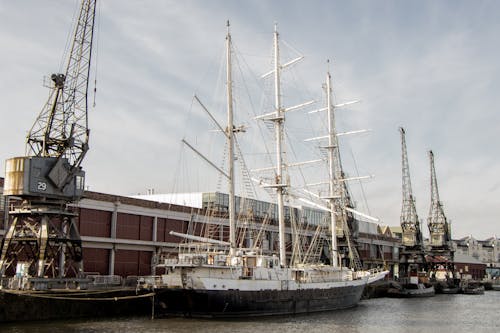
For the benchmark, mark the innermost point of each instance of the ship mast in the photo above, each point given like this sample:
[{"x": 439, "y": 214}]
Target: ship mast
[
  {"x": 332, "y": 146},
  {"x": 339, "y": 201},
  {"x": 278, "y": 125},
  {"x": 230, "y": 137},
  {"x": 229, "y": 133}
]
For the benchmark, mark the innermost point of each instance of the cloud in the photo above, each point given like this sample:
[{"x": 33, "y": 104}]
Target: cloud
[{"x": 431, "y": 67}]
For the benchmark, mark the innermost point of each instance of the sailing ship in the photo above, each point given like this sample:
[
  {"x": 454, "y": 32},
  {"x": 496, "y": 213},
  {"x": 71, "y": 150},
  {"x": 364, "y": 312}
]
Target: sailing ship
[{"x": 216, "y": 278}]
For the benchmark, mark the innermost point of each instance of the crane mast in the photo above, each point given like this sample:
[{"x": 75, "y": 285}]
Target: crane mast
[
  {"x": 42, "y": 238},
  {"x": 440, "y": 250},
  {"x": 412, "y": 236},
  {"x": 438, "y": 224},
  {"x": 412, "y": 257}
]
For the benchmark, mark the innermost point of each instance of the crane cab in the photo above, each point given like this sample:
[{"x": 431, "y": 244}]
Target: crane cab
[{"x": 48, "y": 177}]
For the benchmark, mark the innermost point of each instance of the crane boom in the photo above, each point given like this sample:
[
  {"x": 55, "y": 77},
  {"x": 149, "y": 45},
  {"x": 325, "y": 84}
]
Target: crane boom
[{"x": 61, "y": 129}]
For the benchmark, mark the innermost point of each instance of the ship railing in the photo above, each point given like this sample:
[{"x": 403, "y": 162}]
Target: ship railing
[
  {"x": 375, "y": 270},
  {"x": 105, "y": 280},
  {"x": 14, "y": 283},
  {"x": 185, "y": 261},
  {"x": 149, "y": 282},
  {"x": 171, "y": 261}
]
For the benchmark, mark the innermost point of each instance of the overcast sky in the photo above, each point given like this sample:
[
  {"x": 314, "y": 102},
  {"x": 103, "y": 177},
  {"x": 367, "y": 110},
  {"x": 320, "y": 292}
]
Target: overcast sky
[{"x": 430, "y": 66}]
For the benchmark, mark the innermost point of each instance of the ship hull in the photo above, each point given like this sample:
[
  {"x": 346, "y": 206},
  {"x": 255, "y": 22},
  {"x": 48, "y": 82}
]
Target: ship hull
[
  {"x": 238, "y": 303},
  {"x": 63, "y": 304},
  {"x": 411, "y": 291}
]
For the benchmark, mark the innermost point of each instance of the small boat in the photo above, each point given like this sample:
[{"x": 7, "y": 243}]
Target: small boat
[
  {"x": 495, "y": 287},
  {"x": 473, "y": 289},
  {"x": 411, "y": 290},
  {"x": 445, "y": 287}
]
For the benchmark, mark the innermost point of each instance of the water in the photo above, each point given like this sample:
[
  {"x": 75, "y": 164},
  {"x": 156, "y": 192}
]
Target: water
[{"x": 442, "y": 313}]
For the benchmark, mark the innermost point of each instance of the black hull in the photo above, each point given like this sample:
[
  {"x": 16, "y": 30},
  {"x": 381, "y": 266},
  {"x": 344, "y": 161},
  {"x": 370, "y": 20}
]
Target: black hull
[
  {"x": 236, "y": 303},
  {"x": 50, "y": 305},
  {"x": 473, "y": 291},
  {"x": 449, "y": 291},
  {"x": 411, "y": 293}
]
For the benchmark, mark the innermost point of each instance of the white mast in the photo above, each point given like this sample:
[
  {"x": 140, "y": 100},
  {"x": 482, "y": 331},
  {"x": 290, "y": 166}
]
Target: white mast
[
  {"x": 278, "y": 124},
  {"x": 332, "y": 145},
  {"x": 230, "y": 137}
]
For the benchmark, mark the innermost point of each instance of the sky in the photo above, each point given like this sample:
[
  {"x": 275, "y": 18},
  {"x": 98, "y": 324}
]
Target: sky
[{"x": 430, "y": 66}]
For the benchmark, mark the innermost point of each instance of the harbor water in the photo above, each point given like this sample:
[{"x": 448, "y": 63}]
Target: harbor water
[{"x": 442, "y": 313}]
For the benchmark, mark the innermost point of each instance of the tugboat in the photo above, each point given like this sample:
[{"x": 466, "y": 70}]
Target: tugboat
[
  {"x": 416, "y": 286},
  {"x": 471, "y": 287},
  {"x": 443, "y": 281}
]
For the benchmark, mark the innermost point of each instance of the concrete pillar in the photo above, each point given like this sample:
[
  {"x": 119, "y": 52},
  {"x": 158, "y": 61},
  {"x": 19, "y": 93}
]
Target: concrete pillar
[
  {"x": 111, "y": 268},
  {"x": 154, "y": 236},
  {"x": 114, "y": 220},
  {"x": 154, "y": 260},
  {"x": 112, "y": 252}
]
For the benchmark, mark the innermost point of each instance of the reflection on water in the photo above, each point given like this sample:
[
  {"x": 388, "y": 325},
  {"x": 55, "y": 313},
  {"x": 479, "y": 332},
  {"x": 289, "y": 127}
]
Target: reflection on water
[{"x": 450, "y": 313}]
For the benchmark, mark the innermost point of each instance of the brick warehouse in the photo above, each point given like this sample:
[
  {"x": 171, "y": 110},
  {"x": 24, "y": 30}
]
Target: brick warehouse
[{"x": 127, "y": 236}]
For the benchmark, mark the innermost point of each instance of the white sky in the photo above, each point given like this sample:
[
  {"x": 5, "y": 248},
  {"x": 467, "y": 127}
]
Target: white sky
[{"x": 430, "y": 66}]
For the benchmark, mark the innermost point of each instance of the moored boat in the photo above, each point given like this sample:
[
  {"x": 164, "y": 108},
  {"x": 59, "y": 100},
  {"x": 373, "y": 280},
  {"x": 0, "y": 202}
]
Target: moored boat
[
  {"x": 411, "y": 291},
  {"x": 469, "y": 288},
  {"x": 28, "y": 305},
  {"x": 445, "y": 286},
  {"x": 256, "y": 287},
  {"x": 216, "y": 278}
]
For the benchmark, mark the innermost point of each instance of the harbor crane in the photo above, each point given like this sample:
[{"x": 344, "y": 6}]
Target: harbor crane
[
  {"x": 42, "y": 239},
  {"x": 439, "y": 228},
  {"x": 412, "y": 235},
  {"x": 412, "y": 256}
]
